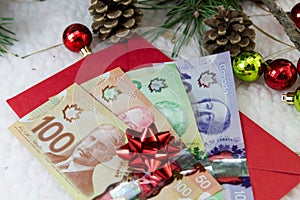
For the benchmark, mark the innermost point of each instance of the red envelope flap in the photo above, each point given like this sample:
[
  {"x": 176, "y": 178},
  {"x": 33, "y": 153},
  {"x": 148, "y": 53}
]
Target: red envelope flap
[
  {"x": 141, "y": 53},
  {"x": 134, "y": 54},
  {"x": 265, "y": 152},
  {"x": 272, "y": 185},
  {"x": 33, "y": 97}
]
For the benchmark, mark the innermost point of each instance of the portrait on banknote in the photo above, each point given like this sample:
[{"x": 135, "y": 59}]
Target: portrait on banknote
[
  {"x": 137, "y": 117},
  {"x": 99, "y": 146},
  {"x": 176, "y": 115},
  {"x": 212, "y": 115}
]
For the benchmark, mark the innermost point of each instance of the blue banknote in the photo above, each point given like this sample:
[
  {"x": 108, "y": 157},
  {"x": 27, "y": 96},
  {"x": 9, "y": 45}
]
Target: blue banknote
[{"x": 210, "y": 86}]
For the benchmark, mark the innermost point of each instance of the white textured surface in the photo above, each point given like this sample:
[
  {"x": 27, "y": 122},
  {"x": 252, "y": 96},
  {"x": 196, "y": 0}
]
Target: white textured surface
[{"x": 40, "y": 24}]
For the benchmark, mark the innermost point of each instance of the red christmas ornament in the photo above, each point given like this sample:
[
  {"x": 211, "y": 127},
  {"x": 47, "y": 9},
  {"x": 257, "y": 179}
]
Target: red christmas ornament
[
  {"x": 280, "y": 74},
  {"x": 298, "y": 66},
  {"x": 77, "y": 38},
  {"x": 295, "y": 15}
]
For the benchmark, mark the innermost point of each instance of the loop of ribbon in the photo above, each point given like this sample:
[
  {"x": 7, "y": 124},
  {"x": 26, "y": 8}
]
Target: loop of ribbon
[{"x": 149, "y": 151}]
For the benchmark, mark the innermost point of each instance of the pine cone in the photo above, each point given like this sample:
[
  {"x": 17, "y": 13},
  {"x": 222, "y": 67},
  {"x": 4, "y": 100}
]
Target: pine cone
[
  {"x": 115, "y": 19},
  {"x": 229, "y": 32}
]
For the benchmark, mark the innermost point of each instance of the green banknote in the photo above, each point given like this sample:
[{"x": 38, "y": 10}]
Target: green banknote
[{"x": 162, "y": 85}]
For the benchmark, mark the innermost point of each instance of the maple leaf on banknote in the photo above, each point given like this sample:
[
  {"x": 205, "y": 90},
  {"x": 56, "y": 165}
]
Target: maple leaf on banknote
[
  {"x": 72, "y": 112},
  {"x": 206, "y": 79},
  {"x": 157, "y": 84},
  {"x": 110, "y": 93}
]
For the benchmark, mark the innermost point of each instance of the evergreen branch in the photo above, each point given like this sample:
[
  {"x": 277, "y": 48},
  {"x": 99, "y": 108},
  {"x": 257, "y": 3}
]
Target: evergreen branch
[
  {"x": 6, "y": 30},
  {"x": 40, "y": 51},
  {"x": 186, "y": 16},
  {"x": 5, "y": 35},
  {"x": 283, "y": 18},
  {"x": 155, "y": 7},
  {"x": 6, "y": 19}
]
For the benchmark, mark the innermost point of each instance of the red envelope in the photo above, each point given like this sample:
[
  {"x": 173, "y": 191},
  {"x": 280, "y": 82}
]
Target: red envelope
[
  {"x": 273, "y": 173},
  {"x": 274, "y": 169}
]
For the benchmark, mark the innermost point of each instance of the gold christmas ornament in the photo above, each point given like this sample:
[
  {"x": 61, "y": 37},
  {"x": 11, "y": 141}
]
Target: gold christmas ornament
[
  {"x": 115, "y": 19},
  {"x": 229, "y": 31}
]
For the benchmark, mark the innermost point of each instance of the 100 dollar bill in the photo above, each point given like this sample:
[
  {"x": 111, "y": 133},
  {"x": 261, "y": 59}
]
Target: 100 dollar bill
[{"x": 76, "y": 140}]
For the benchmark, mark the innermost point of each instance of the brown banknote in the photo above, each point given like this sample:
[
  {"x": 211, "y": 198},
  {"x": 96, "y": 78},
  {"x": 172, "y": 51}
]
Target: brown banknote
[{"x": 76, "y": 140}]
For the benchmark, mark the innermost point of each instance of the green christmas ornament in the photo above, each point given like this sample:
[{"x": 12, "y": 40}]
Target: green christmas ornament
[
  {"x": 297, "y": 100},
  {"x": 248, "y": 66},
  {"x": 292, "y": 98}
]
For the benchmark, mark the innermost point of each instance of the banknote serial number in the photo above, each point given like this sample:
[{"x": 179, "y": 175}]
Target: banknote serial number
[{"x": 51, "y": 131}]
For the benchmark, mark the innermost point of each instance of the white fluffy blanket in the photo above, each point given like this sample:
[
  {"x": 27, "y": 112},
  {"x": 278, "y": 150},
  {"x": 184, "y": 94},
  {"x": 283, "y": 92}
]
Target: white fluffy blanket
[{"x": 39, "y": 25}]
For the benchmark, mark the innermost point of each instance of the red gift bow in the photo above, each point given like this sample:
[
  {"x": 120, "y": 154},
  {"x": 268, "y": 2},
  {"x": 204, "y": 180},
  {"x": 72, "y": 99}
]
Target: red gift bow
[{"x": 149, "y": 151}]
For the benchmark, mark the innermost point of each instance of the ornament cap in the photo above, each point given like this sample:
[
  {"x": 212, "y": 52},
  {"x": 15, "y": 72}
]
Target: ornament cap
[
  {"x": 292, "y": 98},
  {"x": 85, "y": 51},
  {"x": 288, "y": 98}
]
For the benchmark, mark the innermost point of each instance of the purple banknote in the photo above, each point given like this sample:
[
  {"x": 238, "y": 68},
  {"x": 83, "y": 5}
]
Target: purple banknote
[{"x": 210, "y": 86}]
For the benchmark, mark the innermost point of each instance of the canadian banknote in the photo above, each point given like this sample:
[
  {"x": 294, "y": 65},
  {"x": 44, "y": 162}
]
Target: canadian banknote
[
  {"x": 162, "y": 85},
  {"x": 210, "y": 86},
  {"x": 75, "y": 137},
  {"x": 76, "y": 141},
  {"x": 117, "y": 92}
]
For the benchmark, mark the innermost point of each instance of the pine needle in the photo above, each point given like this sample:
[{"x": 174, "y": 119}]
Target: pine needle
[
  {"x": 6, "y": 36},
  {"x": 272, "y": 37}
]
